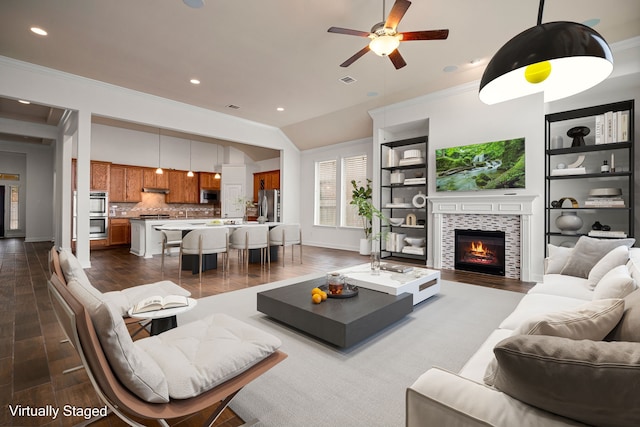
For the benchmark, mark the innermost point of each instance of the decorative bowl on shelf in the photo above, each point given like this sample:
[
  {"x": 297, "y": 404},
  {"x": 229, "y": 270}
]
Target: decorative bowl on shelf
[
  {"x": 605, "y": 192},
  {"x": 415, "y": 241},
  {"x": 396, "y": 221}
]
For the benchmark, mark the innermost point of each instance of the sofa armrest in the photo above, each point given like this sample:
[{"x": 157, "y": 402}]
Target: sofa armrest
[{"x": 442, "y": 398}]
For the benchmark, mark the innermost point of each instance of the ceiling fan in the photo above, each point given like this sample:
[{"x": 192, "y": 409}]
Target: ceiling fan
[{"x": 385, "y": 38}]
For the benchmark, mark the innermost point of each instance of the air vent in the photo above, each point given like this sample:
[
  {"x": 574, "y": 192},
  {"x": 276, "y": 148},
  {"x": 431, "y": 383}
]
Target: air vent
[
  {"x": 347, "y": 80},
  {"x": 232, "y": 106}
]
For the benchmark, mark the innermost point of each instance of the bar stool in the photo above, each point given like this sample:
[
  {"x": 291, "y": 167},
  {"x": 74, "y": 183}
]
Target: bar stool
[
  {"x": 170, "y": 239},
  {"x": 252, "y": 237},
  {"x": 205, "y": 241},
  {"x": 286, "y": 235}
]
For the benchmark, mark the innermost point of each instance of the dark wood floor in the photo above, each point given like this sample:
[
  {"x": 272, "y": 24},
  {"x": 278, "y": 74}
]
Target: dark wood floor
[{"x": 32, "y": 357}]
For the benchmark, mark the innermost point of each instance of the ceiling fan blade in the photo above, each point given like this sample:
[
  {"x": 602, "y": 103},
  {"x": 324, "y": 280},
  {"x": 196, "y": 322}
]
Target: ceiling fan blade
[
  {"x": 355, "y": 57},
  {"x": 347, "y": 31},
  {"x": 424, "y": 35},
  {"x": 397, "y": 12},
  {"x": 397, "y": 59}
]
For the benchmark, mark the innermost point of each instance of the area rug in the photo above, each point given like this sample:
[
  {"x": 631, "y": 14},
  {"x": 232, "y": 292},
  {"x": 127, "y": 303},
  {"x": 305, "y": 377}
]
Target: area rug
[{"x": 321, "y": 385}]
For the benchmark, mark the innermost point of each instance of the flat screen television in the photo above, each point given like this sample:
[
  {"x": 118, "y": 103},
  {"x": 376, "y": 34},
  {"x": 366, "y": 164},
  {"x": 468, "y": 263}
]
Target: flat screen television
[{"x": 484, "y": 166}]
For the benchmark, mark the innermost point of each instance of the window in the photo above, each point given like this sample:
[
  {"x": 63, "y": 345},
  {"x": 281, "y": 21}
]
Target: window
[
  {"x": 326, "y": 209},
  {"x": 14, "y": 223},
  {"x": 333, "y": 200},
  {"x": 353, "y": 168}
]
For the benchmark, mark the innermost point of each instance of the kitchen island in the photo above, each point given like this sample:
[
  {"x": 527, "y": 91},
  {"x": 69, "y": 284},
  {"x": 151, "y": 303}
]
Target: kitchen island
[{"x": 146, "y": 238}]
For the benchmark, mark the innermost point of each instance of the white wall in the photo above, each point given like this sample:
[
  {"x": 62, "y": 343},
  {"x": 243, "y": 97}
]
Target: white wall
[
  {"x": 34, "y": 163},
  {"x": 332, "y": 237}
]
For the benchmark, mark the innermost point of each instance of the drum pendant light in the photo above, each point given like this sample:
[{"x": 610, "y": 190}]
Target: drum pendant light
[{"x": 557, "y": 58}]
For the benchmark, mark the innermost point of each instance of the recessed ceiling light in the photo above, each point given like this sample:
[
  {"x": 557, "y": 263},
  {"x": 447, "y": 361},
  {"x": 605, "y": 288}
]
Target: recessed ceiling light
[
  {"x": 232, "y": 106},
  {"x": 372, "y": 93},
  {"x": 280, "y": 109},
  {"x": 475, "y": 61},
  {"x": 195, "y": 81},
  {"x": 450, "y": 68},
  {"x": 22, "y": 101},
  {"x": 39, "y": 31},
  {"x": 591, "y": 22}
]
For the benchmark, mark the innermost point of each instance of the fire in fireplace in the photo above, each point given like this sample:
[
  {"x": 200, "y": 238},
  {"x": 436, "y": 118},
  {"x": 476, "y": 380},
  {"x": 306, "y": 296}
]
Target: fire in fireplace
[{"x": 480, "y": 251}]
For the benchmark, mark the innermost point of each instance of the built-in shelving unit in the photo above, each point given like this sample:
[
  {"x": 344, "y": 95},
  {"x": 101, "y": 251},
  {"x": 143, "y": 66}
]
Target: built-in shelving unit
[
  {"x": 575, "y": 172},
  {"x": 403, "y": 196}
]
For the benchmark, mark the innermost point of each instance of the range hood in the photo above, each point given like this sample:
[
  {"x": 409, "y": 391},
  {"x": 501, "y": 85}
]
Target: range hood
[{"x": 155, "y": 190}]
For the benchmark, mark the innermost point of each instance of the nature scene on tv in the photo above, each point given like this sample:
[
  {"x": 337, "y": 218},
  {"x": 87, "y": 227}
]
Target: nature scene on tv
[{"x": 489, "y": 165}]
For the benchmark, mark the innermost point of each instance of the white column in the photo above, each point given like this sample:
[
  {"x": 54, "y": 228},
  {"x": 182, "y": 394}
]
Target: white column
[{"x": 83, "y": 174}]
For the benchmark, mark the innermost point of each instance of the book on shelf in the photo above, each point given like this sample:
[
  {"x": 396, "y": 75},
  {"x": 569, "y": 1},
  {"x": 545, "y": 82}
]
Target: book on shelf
[
  {"x": 157, "y": 302},
  {"x": 569, "y": 171},
  {"x": 409, "y": 181},
  {"x": 413, "y": 250},
  {"x": 612, "y": 126},
  {"x": 604, "y": 202},
  {"x": 612, "y": 233}
]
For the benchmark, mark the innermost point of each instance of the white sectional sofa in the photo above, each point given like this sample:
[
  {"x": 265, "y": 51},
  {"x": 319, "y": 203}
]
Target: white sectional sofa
[{"x": 568, "y": 355}]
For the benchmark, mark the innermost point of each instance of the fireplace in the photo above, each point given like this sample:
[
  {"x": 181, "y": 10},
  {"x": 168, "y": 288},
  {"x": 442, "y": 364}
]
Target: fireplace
[{"x": 480, "y": 251}]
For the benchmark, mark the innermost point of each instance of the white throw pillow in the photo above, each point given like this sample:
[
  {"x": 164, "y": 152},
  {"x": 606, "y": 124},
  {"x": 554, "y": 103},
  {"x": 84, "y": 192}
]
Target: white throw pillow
[
  {"x": 617, "y": 283},
  {"x": 590, "y": 321},
  {"x": 588, "y": 251},
  {"x": 558, "y": 256},
  {"x": 617, "y": 256}
]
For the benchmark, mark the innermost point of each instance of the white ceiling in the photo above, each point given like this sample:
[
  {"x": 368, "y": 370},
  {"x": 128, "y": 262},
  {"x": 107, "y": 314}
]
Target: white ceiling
[{"x": 264, "y": 54}]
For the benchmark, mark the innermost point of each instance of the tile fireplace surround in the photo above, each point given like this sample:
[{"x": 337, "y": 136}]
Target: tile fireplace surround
[{"x": 508, "y": 213}]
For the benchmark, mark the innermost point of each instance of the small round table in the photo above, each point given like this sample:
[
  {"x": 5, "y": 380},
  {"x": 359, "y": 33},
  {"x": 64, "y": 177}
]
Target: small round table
[{"x": 164, "y": 319}]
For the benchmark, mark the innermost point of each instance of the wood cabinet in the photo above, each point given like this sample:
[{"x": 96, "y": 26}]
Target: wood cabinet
[
  {"x": 269, "y": 180},
  {"x": 182, "y": 188},
  {"x": 209, "y": 181},
  {"x": 119, "y": 231},
  {"x": 154, "y": 180},
  {"x": 100, "y": 176},
  {"x": 126, "y": 184}
]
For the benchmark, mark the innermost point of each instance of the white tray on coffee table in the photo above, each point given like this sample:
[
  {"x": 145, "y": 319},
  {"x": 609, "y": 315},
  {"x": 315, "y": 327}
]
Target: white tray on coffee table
[{"x": 421, "y": 282}]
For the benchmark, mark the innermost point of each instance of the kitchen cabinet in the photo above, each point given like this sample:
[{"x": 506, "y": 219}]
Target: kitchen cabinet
[
  {"x": 182, "y": 188},
  {"x": 209, "y": 181},
  {"x": 590, "y": 183},
  {"x": 100, "y": 176},
  {"x": 151, "y": 179},
  {"x": 126, "y": 184},
  {"x": 269, "y": 180},
  {"x": 119, "y": 231}
]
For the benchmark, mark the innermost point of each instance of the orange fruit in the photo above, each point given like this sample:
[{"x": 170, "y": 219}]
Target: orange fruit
[
  {"x": 323, "y": 295},
  {"x": 315, "y": 291},
  {"x": 316, "y": 298}
]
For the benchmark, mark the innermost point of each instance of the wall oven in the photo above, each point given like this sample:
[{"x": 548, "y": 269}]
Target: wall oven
[{"x": 98, "y": 215}]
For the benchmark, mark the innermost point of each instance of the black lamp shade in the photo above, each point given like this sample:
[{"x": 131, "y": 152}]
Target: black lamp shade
[{"x": 579, "y": 58}]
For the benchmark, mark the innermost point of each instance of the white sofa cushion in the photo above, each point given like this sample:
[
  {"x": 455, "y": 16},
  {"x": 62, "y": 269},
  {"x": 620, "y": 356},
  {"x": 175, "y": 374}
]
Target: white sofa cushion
[
  {"x": 533, "y": 304},
  {"x": 592, "y": 320},
  {"x": 564, "y": 286},
  {"x": 133, "y": 367},
  {"x": 476, "y": 366},
  {"x": 587, "y": 252},
  {"x": 617, "y": 256},
  {"x": 617, "y": 283},
  {"x": 72, "y": 270},
  {"x": 558, "y": 256},
  {"x": 200, "y": 355}
]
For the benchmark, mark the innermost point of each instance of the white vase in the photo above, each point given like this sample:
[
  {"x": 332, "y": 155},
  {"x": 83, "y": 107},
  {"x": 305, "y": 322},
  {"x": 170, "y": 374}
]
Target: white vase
[
  {"x": 365, "y": 246},
  {"x": 569, "y": 223}
]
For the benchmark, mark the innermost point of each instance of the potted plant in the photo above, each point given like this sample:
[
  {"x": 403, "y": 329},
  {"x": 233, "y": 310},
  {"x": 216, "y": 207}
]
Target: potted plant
[{"x": 361, "y": 199}]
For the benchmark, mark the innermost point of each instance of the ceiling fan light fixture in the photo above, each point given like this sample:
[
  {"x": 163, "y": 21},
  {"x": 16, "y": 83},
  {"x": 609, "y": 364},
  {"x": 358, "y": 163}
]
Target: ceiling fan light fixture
[
  {"x": 384, "y": 45},
  {"x": 559, "y": 59}
]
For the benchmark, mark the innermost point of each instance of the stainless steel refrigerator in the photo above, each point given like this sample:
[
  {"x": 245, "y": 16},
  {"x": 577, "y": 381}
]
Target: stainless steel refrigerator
[{"x": 269, "y": 204}]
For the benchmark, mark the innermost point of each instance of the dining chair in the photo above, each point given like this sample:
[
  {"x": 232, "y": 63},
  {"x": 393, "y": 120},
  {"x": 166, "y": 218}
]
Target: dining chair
[
  {"x": 170, "y": 239},
  {"x": 253, "y": 237},
  {"x": 214, "y": 240},
  {"x": 286, "y": 235}
]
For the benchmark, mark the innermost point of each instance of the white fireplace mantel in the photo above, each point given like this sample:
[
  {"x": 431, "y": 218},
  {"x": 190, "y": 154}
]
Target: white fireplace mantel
[{"x": 507, "y": 204}]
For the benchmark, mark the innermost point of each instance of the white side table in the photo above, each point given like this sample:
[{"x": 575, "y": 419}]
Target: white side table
[{"x": 165, "y": 319}]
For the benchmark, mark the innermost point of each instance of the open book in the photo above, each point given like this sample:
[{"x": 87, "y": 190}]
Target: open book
[{"x": 158, "y": 303}]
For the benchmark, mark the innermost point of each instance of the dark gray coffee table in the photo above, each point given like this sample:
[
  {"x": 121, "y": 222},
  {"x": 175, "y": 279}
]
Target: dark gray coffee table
[{"x": 339, "y": 321}]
